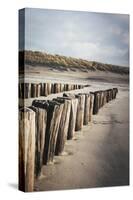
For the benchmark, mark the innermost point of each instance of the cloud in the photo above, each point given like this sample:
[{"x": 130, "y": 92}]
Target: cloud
[{"x": 93, "y": 36}]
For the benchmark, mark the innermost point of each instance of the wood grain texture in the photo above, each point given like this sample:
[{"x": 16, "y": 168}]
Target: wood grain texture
[
  {"x": 96, "y": 102},
  {"x": 33, "y": 90},
  {"x": 91, "y": 106},
  {"x": 26, "y": 149},
  {"x": 40, "y": 123},
  {"x": 54, "y": 115},
  {"x": 80, "y": 112},
  {"x": 86, "y": 109},
  {"x": 63, "y": 126}
]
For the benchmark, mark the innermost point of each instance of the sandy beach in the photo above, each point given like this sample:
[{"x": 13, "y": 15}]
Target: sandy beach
[{"x": 98, "y": 156}]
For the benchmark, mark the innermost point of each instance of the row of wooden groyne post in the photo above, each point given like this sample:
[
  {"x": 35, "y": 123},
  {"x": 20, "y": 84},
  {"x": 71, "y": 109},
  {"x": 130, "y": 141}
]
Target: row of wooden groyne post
[
  {"x": 32, "y": 90},
  {"x": 45, "y": 126}
]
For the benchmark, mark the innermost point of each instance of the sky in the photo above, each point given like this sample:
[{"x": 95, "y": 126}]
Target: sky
[{"x": 93, "y": 36}]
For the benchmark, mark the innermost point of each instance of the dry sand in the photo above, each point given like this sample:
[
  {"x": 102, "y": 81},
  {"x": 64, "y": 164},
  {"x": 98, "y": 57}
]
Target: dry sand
[{"x": 98, "y": 156}]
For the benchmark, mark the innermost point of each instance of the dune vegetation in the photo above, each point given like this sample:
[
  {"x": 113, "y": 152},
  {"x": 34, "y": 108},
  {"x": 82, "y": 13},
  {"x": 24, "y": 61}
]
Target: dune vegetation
[{"x": 63, "y": 63}]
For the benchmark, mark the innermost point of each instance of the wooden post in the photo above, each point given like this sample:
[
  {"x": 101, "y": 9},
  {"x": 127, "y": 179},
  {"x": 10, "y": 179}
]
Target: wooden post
[
  {"x": 61, "y": 87},
  {"x": 46, "y": 89},
  {"x": 26, "y": 149},
  {"x": 54, "y": 111},
  {"x": 54, "y": 115},
  {"x": 115, "y": 91},
  {"x": 33, "y": 90},
  {"x": 111, "y": 94},
  {"x": 80, "y": 112},
  {"x": 25, "y": 90},
  {"x": 96, "y": 102},
  {"x": 76, "y": 86},
  {"x": 20, "y": 91},
  {"x": 73, "y": 113},
  {"x": 91, "y": 106},
  {"x": 105, "y": 97},
  {"x": 38, "y": 90},
  {"x": 72, "y": 121},
  {"x": 41, "y": 121},
  {"x": 49, "y": 88},
  {"x": 56, "y": 87},
  {"x": 86, "y": 109},
  {"x": 65, "y": 89},
  {"x": 64, "y": 124},
  {"x": 42, "y": 89},
  {"x": 52, "y": 88},
  {"x": 28, "y": 89},
  {"x": 102, "y": 99}
]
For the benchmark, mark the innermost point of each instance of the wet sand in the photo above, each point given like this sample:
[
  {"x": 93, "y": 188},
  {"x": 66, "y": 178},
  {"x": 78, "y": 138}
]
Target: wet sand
[{"x": 98, "y": 156}]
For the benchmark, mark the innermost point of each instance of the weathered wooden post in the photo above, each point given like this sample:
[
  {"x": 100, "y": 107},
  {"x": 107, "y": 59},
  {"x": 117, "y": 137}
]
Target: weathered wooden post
[
  {"x": 38, "y": 90},
  {"x": 54, "y": 111},
  {"x": 26, "y": 149},
  {"x": 102, "y": 103},
  {"x": 96, "y": 102},
  {"x": 73, "y": 113},
  {"x": 115, "y": 91},
  {"x": 80, "y": 112},
  {"x": 56, "y": 87},
  {"x": 23, "y": 90},
  {"x": 54, "y": 115},
  {"x": 42, "y": 89},
  {"x": 76, "y": 86},
  {"x": 105, "y": 97},
  {"x": 86, "y": 109},
  {"x": 27, "y": 90},
  {"x": 40, "y": 121},
  {"x": 111, "y": 94},
  {"x": 20, "y": 91},
  {"x": 62, "y": 87},
  {"x": 68, "y": 87},
  {"x": 52, "y": 88},
  {"x": 100, "y": 99},
  {"x": 63, "y": 126},
  {"x": 72, "y": 87},
  {"x": 33, "y": 90},
  {"x": 72, "y": 121},
  {"x": 65, "y": 89},
  {"x": 91, "y": 106},
  {"x": 48, "y": 88}
]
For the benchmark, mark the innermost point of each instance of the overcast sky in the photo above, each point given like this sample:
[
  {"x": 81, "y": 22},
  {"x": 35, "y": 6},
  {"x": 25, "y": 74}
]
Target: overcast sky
[{"x": 92, "y": 36}]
